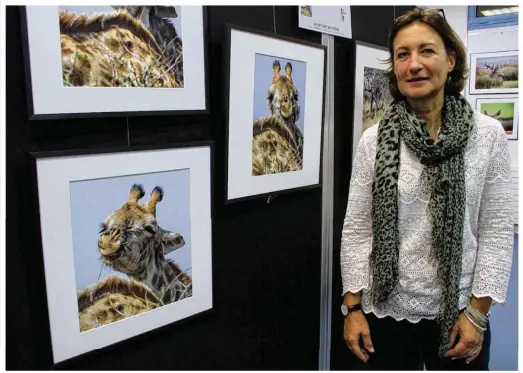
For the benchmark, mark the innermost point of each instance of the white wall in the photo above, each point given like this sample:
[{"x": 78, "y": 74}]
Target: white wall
[
  {"x": 494, "y": 40},
  {"x": 456, "y": 16},
  {"x": 498, "y": 40}
]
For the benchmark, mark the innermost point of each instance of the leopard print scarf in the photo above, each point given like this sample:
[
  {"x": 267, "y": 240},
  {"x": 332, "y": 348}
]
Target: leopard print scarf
[{"x": 444, "y": 173}]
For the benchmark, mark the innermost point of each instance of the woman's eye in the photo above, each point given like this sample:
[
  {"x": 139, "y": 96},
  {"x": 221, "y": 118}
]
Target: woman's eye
[{"x": 428, "y": 51}]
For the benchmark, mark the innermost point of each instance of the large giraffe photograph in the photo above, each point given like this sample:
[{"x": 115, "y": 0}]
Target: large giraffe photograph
[
  {"x": 132, "y": 245},
  {"x": 276, "y": 90},
  {"x": 121, "y": 46},
  {"x": 278, "y": 112},
  {"x": 126, "y": 240}
]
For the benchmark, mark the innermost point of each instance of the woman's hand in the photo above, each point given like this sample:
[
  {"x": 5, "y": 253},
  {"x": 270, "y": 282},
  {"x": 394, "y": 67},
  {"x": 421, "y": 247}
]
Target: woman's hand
[
  {"x": 470, "y": 342},
  {"x": 356, "y": 326}
]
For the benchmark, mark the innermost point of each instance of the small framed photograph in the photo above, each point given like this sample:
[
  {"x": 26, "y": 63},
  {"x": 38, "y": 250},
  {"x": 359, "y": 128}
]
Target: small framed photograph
[
  {"x": 494, "y": 72},
  {"x": 504, "y": 109},
  {"x": 371, "y": 88},
  {"x": 275, "y": 105},
  {"x": 126, "y": 240},
  {"x": 114, "y": 60}
]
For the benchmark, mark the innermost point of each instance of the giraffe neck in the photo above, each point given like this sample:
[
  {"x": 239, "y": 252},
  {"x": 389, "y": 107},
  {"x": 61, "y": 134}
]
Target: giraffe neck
[{"x": 161, "y": 277}]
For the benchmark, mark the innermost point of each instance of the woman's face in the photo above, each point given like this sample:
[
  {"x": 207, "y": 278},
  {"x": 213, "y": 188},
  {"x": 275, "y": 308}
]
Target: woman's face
[{"x": 421, "y": 62}]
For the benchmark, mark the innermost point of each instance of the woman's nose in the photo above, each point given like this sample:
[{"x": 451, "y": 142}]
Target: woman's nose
[{"x": 414, "y": 65}]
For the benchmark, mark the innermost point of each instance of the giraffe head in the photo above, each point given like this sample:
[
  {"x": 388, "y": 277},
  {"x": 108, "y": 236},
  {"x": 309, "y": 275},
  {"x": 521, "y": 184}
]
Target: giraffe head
[
  {"x": 130, "y": 237},
  {"x": 283, "y": 94}
]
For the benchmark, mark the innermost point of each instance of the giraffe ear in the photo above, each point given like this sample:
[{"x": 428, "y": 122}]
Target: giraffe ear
[
  {"x": 165, "y": 11},
  {"x": 171, "y": 241}
]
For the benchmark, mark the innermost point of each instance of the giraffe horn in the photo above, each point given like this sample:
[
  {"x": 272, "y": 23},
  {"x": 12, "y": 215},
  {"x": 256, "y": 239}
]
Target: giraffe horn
[
  {"x": 156, "y": 196},
  {"x": 136, "y": 193},
  {"x": 276, "y": 69},
  {"x": 288, "y": 71}
]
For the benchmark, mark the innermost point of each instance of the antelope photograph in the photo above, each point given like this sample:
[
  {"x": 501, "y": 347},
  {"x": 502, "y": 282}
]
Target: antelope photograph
[
  {"x": 496, "y": 74},
  {"x": 132, "y": 245},
  {"x": 278, "y": 126},
  {"x": 121, "y": 46},
  {"x": 505, "y": 110}
]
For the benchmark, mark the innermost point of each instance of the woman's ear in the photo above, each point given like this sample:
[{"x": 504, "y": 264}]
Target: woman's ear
[{"x": 452, "y": 61}]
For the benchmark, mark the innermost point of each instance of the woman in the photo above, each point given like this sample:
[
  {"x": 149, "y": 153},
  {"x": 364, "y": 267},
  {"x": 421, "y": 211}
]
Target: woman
[{"x": 428, "y": 234}]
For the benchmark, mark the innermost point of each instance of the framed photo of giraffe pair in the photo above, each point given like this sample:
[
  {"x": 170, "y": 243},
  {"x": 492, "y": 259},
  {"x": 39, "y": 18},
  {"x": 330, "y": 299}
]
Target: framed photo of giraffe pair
[
  {"x": 119, "y": 60},
  {"x": 275, "y": 108},
  {"x": 126, "y": 240}
]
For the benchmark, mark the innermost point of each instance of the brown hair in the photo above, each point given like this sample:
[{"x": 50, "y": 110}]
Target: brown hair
[{"x": 452, "y": 42}]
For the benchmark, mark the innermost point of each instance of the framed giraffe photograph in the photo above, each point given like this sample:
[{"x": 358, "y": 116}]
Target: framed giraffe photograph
[
  {"x": 504, "y": 108},
  {"x": 275, "y": 106},
  {"x": 126, "y": 238},
  {"x": 114, "y": 60}
]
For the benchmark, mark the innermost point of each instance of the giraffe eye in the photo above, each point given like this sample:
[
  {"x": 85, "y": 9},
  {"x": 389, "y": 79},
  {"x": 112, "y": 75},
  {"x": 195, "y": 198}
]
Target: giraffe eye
[{"x": 149, "y": 229}]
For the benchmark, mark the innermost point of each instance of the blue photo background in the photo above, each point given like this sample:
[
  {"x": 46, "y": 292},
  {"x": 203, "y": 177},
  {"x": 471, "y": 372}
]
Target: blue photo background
[
  {"x": 263, "y": 74},
  {"x": 93, "y": 200}
]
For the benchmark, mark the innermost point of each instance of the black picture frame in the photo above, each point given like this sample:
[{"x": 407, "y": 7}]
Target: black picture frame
[
  {"x": 33, "y": 158},
  {"x": 110, "y": 114},
  {"x": 268, "y": 196}
]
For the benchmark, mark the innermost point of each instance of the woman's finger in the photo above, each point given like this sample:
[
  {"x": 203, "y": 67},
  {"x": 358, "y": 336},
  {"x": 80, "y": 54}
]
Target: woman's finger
[
  {"x": 367, "y": 342},
  {"x": 475, "y": 354},
  {"x": 360, "y": 354},
  {"x": 453, "y": 335},
  {"x": 458, "y": 351}
]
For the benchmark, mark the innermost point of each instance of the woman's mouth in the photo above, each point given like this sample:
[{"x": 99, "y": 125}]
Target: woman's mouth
[{"x": 419, "y": 80}]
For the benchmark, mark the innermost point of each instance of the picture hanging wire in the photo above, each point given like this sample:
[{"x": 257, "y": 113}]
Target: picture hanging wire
[
  {"x": 274, "y": 17},
  {"x": 128, "y": 133}
]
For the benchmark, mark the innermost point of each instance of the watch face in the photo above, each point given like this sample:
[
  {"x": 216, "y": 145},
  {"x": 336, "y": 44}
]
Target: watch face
[{"x": 344, "y": 310}]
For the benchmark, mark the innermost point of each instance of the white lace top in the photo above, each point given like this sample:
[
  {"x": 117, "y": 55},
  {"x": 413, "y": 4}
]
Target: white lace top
[{"x": 488, "y": 227}]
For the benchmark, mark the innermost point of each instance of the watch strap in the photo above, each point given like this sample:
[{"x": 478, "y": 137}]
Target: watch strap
[{"x": 353, "y": 308}]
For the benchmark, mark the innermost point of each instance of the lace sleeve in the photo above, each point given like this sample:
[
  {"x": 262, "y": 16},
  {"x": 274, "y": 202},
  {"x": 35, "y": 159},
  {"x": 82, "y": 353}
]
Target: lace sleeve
[
  {"x": 356, "y": 238},
  {"x": 495, "y": 226}
]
